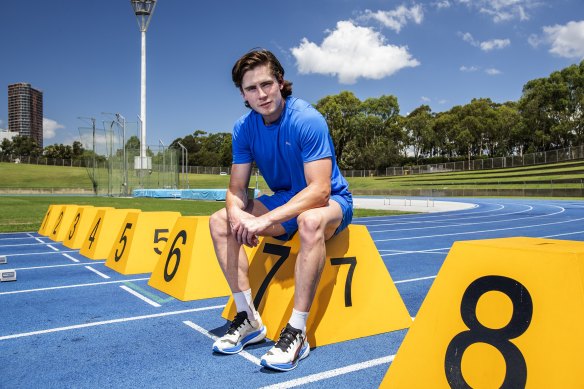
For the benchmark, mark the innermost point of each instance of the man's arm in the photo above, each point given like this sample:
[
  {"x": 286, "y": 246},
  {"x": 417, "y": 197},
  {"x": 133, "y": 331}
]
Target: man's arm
[
  {"x": 236, "y": 197},
  {"x": 316, "y": 194}
]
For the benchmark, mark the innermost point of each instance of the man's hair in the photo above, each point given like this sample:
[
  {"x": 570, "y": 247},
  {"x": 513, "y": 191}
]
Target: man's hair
[{"x": 257, "y": 57}]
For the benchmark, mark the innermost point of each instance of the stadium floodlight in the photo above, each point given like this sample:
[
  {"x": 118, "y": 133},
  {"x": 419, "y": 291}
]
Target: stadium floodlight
[{"x": 143, "y": 10}]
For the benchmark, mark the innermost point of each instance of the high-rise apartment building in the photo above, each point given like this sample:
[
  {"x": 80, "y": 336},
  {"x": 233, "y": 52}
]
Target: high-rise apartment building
[{"x": 25, "y": 111}]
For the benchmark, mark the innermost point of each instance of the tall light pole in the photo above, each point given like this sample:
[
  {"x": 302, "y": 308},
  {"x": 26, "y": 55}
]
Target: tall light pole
[
  {"x": 143, "y": 10},
  {"x": 185, "y": 158}
]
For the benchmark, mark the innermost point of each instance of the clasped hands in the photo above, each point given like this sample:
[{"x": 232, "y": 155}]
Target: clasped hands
[{"x": 245, "y": 228}]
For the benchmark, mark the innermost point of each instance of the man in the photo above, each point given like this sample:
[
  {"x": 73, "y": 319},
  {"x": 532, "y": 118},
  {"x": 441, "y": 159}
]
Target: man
[{"x": 289, "y": 141}]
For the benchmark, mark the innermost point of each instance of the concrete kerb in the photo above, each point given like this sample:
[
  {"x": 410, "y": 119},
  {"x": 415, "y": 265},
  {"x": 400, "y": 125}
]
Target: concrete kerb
[{"x": 410, "y": 204}]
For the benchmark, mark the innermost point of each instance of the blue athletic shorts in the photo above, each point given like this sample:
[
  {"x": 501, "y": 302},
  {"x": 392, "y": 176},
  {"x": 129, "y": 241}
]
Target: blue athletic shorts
[{"x": 291, "y": 226}]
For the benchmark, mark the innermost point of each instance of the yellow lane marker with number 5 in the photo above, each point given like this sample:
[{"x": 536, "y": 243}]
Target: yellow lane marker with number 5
[
  {"x": 140, "y": 241},
  {"x": 103, "y": 231}
]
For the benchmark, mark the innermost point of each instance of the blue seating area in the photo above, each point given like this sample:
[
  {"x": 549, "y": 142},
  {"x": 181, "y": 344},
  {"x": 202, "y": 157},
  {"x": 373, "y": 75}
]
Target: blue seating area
[{"x": 187, "y": 194}]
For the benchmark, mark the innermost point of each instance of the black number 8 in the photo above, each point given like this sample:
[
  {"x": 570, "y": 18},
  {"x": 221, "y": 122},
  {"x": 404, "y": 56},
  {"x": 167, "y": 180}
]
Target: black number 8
[
  {"x": 174, "y": 251},
  {"x": 516, "y": 372}
]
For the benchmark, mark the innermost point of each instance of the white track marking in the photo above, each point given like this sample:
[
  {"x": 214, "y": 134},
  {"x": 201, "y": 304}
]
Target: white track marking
[
  {"x": 481, "y": 231},
  {"x": 98, "y": 272},
  {"x": 332, "y": 373},
  {"x": 141, "y": 297},
  {"x": 414, "y": 279},
  {"x": 203, "y": 331},
  {"x": 71, "y": 258},
  {"x": 70, "y": 286},
  {"x": 106, "y": 322}
]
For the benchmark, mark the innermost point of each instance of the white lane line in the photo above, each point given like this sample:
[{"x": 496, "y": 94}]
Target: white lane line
[
  {"x": 106, "y": 322},
  {"x": 420, "y": 218},
  {"x": 70, "y": 286},
  {"x": 429, "y": 251},
  {"x": 41, "y": 253},
  {"x": 70, "y": 257},
  {"x": 49, "y": 266},
  {"x": 567, "y": 233},
  {"x": 481, "y": 231},
  {"x": 245, "y": 354},
  {"x": 332, "y": 373},
  {"x": 20, "y": 238},
  {"x": 467, "y": 224},
  {"x": 98, "y": 272},
  {"x": 449, "y": 217},
  {"x": 141, "y": 297},
  {"x": 414, "y": 279},
  {"x": 53, "y": 248},
  {"x": 39, "y": 240},
  {"x": 24, "y": 244}
]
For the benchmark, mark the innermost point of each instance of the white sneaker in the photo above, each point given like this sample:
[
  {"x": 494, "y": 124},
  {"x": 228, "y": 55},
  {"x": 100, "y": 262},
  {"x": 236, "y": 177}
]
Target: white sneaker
[
  {"x": 241, "y": 332},
  {"x": 288, "y": 351}
]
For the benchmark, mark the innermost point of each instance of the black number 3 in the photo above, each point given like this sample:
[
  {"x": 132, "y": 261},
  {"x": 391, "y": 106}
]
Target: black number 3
[{"x": 516, "y": 372}]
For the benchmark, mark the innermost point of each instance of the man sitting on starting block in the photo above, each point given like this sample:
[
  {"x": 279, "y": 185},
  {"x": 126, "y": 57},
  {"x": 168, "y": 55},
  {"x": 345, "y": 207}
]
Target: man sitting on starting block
[{"x": 289, "y": 141}]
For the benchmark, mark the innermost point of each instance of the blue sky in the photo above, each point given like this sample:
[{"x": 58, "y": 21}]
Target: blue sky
[{"x": 85, "y": 55}]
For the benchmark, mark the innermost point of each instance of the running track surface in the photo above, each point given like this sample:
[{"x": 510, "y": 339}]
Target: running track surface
[{"x": 72, "y": 322}]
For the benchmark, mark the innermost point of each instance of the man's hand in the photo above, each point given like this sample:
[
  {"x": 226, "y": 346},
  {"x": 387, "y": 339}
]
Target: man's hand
[{"x": 246, "y": 227}]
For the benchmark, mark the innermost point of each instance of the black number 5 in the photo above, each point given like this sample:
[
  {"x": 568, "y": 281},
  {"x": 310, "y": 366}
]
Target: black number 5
[
  {"x": 123, "y": 239},
  {"x": 158, "y": 238}
]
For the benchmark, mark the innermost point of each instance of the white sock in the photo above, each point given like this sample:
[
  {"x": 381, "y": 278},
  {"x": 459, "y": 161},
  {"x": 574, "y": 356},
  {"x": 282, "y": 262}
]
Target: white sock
[
  {"x": 298, "y": 320},
  {"x": 244, "y": 302}
]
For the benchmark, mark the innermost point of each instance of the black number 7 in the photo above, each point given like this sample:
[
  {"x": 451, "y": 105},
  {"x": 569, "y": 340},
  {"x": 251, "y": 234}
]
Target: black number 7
[
  {"x": 347, "y": 261},
  {"x": 284, "y": 253}
]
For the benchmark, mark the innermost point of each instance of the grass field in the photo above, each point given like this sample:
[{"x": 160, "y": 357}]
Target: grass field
[
  {"x": 559, "y": 175},
  {"x": 25, "y": 213}
]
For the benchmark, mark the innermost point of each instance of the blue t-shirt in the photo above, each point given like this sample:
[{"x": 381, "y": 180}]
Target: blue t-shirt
[{"x": 280, "y": 150}]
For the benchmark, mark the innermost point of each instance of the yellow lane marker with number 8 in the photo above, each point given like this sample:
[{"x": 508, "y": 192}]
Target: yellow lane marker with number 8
[{"x": 501, "y": 313}]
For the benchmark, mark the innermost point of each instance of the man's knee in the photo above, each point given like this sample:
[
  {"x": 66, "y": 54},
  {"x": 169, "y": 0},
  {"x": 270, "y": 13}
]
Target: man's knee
[
  {"x": 218, "y": 223},
  {"x": 311, "y": 226}
]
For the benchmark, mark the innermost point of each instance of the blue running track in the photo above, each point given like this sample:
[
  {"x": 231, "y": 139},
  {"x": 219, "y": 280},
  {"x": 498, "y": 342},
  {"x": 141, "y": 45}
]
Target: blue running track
[{"x": 72, "y": 322}]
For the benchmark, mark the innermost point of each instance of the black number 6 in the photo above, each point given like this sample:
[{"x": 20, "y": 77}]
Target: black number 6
[{"x": 174, "y": 251}]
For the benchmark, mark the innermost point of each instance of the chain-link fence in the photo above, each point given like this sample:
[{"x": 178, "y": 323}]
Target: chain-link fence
[
  {"x": 110, "y": 161},
  {"x": 552, "y": 156}
]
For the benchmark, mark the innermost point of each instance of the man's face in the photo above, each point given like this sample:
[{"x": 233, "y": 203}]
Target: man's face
[{"x": 263, "y": 92}]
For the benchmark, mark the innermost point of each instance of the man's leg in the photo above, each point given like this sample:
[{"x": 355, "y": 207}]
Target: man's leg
[
  {"x": 246, "y": 327},
  {"x": 315, "y": 227}
]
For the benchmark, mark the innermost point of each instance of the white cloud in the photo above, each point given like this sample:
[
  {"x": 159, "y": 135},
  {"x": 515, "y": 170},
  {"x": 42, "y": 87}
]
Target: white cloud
[
  {"x": 425, "y": 99},
  {"x": 492, "y": 71},
  {"x": 485, "y": 45},
  {"x": 50, "y": 128},
  {"x": 467, "y": 37},
  {"x": 495, "y": 44},
  {"x": 504, "y": 10},
  {"x": 468, "y": 68},
  {"x": 397, "y": 18},
  {"x": 565, "y": 41},
  {"x": 350, "y": 52},
  {"x": 442, "y": 4}
]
